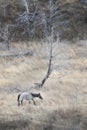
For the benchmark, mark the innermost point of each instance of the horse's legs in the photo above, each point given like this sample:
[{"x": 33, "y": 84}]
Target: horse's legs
[
  {"x": 18, "y": 103},
  {"x": 34, "y": 102},
  {"x": 29, "y": 101},
  {"x": 21, "y": 102}
]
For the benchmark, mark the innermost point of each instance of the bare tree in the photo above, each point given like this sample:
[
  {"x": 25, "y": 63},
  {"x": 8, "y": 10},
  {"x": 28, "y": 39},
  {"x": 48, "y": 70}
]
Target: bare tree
[
  {"x": 5, "y": 35},
  {"x": 49, "y": 70},
  {"x": 26, "y": 5},
  {"x": 52, "y": 44}
]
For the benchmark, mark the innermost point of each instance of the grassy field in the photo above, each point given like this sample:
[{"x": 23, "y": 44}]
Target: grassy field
[{"x": 65, "y": 93}]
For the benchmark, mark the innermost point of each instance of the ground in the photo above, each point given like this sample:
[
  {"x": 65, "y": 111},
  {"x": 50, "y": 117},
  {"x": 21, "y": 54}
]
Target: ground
[{"x": 64, "y": 105}]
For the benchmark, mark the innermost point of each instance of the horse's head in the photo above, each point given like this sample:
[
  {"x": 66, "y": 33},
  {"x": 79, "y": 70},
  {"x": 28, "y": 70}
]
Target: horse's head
[{"x": 39, "y": 95}]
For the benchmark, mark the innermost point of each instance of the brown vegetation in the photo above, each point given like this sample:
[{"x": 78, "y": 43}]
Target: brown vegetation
[{"x": 64, "y": 106}]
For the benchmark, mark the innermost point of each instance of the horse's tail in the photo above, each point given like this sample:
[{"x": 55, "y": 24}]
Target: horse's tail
[{"x": 18, "y": 97}]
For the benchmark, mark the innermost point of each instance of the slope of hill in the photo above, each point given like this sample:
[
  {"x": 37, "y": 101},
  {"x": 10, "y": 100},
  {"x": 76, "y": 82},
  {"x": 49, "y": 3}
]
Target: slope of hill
[{"x": 64, "y": 104}]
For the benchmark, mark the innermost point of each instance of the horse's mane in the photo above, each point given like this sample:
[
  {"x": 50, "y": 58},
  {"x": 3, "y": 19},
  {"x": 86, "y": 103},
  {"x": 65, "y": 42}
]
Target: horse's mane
[{"x": 35, "y": 94}]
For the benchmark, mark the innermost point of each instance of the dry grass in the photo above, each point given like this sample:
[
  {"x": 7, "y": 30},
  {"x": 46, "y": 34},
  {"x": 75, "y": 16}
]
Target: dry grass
[{"x": 64, "y": 106}]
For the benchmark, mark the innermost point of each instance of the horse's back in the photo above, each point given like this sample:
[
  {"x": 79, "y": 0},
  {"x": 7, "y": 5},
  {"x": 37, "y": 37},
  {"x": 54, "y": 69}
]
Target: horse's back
[{"x": 26, "y": 96}]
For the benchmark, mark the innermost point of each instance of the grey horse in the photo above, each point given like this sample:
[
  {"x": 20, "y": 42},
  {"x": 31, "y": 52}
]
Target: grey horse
[{"x": 28, "y": 96}]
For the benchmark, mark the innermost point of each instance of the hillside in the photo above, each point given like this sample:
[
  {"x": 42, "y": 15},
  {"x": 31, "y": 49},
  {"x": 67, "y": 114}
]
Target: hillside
[
  {"x": 43, "y": 49},
  {"x": 64, "y": 105}
]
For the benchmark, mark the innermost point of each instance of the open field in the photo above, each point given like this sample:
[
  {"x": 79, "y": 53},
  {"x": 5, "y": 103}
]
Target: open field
[{"x": 65, "y": 93}]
